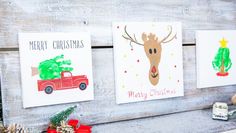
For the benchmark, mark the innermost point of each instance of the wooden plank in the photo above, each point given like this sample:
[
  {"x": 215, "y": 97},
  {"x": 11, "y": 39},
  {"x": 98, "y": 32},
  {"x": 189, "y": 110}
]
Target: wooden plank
[
  {"x": 97, "y": 17},
  {"x": 104, "y": 109},
  {"x": 231, "y": 131},
  {"x": 188, "y": 122}
]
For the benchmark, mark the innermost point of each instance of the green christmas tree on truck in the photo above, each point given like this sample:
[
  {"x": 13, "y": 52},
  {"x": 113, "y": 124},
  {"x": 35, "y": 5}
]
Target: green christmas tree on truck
[
  {"x": 61, "y": 116},
  {"x": 222, "y": 62},
  {"x": 52, "y": 68}
]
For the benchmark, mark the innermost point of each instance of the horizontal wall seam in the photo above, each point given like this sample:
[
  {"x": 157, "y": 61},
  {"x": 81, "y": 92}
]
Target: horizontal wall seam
[{"x": 93, "y": 47}]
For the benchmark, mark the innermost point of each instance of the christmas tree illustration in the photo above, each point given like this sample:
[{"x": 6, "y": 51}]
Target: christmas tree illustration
[
  {"x": 222, "y": 62},
  {"x": 52, "y": 68}
]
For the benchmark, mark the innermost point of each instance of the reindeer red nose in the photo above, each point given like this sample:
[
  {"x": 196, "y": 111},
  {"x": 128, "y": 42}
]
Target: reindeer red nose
[{"x": 154, "y": 69}]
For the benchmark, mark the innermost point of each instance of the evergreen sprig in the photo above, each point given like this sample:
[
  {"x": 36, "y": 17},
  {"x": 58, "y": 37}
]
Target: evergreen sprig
[{"x": 61, "y": 116}]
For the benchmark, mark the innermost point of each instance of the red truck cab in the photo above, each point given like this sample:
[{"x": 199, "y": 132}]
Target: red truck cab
[{"x": 67, "y": 81}]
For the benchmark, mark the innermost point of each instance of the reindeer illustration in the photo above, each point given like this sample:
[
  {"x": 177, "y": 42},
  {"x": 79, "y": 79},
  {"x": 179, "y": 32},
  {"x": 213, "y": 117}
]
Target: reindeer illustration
[{"x": 153, "y": 48}]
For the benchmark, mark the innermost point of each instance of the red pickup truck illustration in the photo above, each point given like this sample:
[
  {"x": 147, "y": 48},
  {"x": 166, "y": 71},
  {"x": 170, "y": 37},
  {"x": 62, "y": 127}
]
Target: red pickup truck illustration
[{"x": 67, "y": 81}]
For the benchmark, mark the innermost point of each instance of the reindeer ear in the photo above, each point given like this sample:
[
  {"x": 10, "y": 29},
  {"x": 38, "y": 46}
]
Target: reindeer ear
[{"x": 144, "y": 37}]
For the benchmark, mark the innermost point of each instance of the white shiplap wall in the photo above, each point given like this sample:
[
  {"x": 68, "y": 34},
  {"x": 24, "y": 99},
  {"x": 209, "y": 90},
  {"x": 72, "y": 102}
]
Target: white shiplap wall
[{"x": 97, "y": 17}]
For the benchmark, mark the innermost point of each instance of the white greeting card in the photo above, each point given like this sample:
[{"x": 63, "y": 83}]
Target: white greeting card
[
  {"x": 148, "y": 61},
  {"x": 215, "y": 54},
  {"x": 55, "y": 68}
]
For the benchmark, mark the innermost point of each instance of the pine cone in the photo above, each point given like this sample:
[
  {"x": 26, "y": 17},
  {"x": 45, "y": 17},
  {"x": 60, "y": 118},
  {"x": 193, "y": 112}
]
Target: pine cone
[
  {"x": 233, "y": 99},
  {"x": 64, "y": 128},
  {"x": 3, "y": 129},
  {"x": 16, "y": 128}
]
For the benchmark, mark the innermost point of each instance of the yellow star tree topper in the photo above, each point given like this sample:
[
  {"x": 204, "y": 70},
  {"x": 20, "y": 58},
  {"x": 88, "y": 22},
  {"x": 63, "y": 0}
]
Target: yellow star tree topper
[{"x": 223, "y": 43}]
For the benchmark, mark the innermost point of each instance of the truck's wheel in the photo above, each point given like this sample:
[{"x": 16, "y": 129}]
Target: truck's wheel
[
  {"x": 48, "y": 90},
  {"x": 82, "y": 86}
]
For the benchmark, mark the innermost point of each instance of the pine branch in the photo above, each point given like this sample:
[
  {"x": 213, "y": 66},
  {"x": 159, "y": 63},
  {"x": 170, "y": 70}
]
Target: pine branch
[{"x": 61, "y": 116}]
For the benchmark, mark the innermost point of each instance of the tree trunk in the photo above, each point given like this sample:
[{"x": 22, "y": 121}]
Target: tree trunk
[
  {"x": 222, "y": 67},
  {"x": 34, "y": 71}
]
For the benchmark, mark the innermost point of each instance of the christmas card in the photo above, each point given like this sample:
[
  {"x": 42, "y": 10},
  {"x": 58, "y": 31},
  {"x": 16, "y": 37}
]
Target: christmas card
[
  {"x": 148, "y": 61},
  {"x": 215, "y": 54},
  {"x": 55, "y": 68}
]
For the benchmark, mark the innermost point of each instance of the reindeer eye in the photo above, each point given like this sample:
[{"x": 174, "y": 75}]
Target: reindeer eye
[
  {"x": 150, "y": 51},
  {"x": 155, "y": 50}
]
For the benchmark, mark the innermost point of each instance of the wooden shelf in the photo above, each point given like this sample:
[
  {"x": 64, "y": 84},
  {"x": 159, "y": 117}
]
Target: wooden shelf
[{"x": 199, "y": 121}]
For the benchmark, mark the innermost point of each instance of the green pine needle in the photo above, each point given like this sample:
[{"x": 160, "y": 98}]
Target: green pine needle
[{"x": 61, "y": 116}]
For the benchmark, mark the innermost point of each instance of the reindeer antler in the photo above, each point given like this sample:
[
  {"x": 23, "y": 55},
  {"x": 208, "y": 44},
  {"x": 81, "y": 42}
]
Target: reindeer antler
[
  {"x": 128, "y": 37},
  {"x": 164, "y": 40}
]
